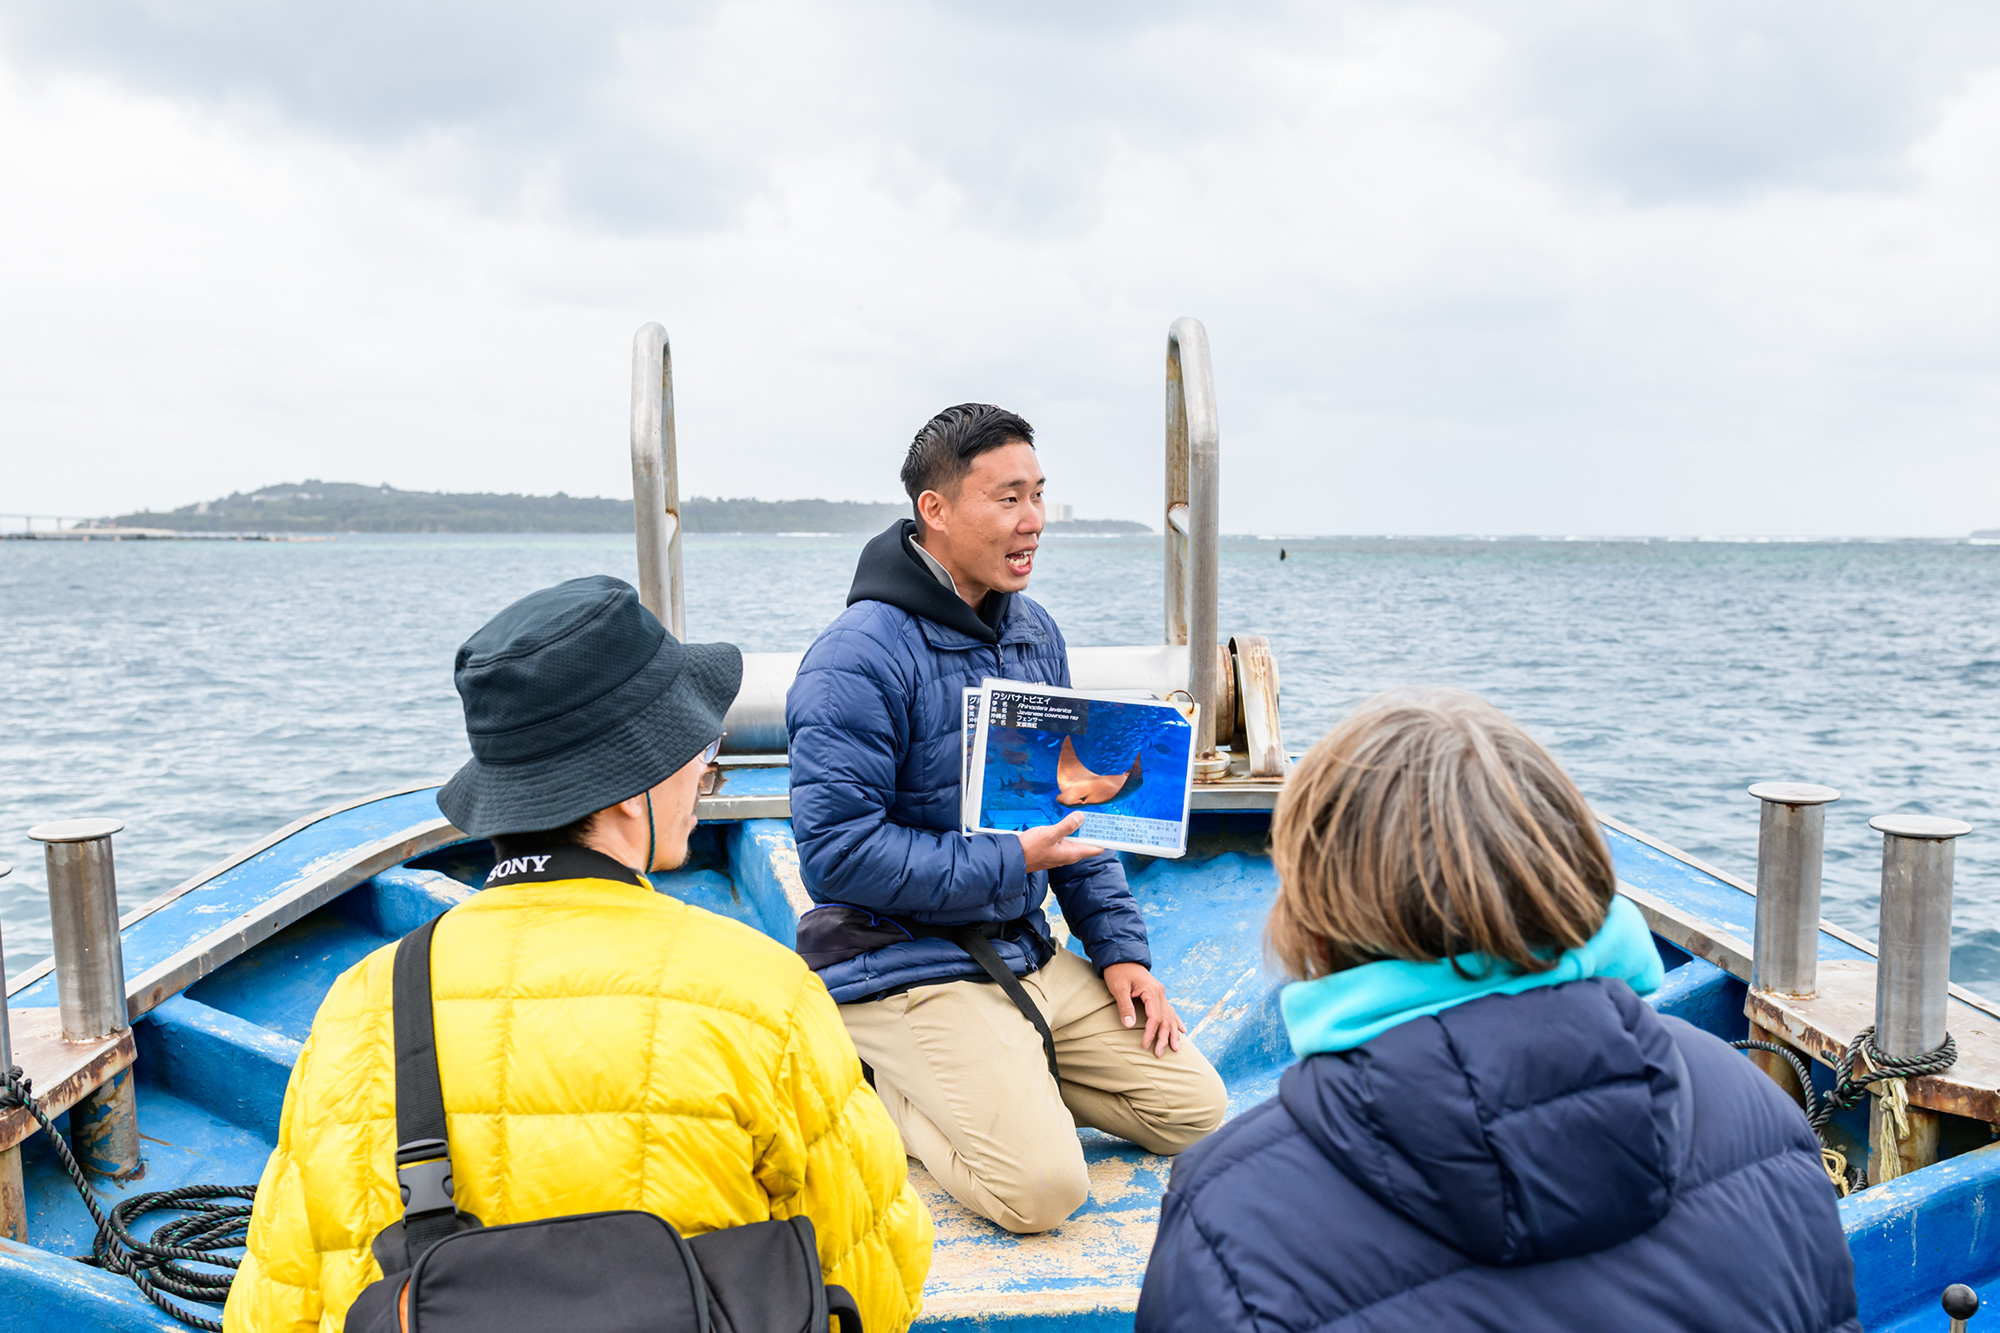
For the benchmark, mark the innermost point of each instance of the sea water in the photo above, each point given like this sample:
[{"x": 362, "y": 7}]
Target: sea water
[{"x": 206, "y": 693}]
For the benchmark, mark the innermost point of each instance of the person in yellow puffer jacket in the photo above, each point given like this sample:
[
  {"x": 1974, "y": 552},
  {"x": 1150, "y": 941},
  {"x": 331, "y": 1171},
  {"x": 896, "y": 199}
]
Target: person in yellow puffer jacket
[{"x": 600, "y": 1045}]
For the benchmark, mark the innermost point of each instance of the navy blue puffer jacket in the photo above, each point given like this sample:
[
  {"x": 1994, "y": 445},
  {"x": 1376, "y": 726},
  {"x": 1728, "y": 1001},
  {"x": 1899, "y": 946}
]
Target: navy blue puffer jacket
[
  {"x": 874, "y": 717},
  {"x": 1565, "y": 1158}
]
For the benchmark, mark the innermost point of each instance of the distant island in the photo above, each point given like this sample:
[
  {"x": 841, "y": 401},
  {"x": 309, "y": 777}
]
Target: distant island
[{"x": 339, "y": 506}]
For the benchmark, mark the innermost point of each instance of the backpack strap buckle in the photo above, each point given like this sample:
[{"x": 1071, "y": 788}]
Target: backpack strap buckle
[{"x": 423, "y": 1173}]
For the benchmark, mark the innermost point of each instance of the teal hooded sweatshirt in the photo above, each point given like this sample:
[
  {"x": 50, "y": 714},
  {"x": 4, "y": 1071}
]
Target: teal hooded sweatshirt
[{"x": 1346, "y": 1009}]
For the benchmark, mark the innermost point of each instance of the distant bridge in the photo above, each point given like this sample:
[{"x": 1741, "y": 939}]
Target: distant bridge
[{"x": 55, "y": 522}]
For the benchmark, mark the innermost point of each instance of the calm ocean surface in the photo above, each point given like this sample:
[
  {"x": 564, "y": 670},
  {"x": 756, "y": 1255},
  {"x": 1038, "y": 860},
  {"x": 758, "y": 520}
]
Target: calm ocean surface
[{"x": 206, "y": 693}]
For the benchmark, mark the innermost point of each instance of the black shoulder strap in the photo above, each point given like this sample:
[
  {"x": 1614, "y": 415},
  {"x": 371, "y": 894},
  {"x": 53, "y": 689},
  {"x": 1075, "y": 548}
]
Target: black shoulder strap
[
  {"x": 423, "y": 1150},
  {"x": 973, "y": 940}
]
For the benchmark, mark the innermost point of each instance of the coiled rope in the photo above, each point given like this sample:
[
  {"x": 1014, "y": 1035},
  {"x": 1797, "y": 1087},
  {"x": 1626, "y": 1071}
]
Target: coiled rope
[
  {"x": 1849, "y": 1088},
  {"x": 155, "y": 1264}
]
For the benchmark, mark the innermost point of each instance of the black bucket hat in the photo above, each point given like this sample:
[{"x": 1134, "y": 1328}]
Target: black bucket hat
[{"x": 575, "y": 699}]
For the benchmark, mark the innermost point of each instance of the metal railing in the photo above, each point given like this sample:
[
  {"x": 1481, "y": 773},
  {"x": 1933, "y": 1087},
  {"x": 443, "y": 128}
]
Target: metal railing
[
  {"x": 756, "y": 722},
  {"x": 656, "y": 482},
  {"x": 1194, "y": 467}
]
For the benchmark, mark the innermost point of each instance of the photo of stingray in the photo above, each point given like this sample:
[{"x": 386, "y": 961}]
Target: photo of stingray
[
  {"x": 1077, "y": 785},
  {"x": 1124, "y": 763}
]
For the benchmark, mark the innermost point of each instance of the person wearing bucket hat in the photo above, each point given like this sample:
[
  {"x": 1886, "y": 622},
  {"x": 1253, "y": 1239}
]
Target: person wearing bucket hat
[
  {"x": 601, "y": 1046},
  {"x": 577, "y": 700}
]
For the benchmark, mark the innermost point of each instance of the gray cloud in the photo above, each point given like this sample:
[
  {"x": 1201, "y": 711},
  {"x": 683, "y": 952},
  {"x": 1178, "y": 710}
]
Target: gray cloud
[
  {"x": 624, "y": 109},
  {"x": 373, "y": 69},
  {"x": 1528, "y": 245},
  {"x": 1016, "y": 110},
  {"x": 1713, "y": 98},
  {"x": 497, "y": 99}
]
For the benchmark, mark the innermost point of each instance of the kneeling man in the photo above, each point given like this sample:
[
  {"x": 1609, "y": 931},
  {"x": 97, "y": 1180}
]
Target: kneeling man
[{"x": 923, "y": 932}]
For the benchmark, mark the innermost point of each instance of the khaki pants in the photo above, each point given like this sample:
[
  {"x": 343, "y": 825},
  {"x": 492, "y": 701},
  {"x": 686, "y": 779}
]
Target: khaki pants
[{"x": 963, "y": 1076}]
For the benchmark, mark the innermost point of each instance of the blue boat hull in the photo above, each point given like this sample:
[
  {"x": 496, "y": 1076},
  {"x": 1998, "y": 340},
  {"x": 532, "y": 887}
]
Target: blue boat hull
[{"x": 230, "y": 968}]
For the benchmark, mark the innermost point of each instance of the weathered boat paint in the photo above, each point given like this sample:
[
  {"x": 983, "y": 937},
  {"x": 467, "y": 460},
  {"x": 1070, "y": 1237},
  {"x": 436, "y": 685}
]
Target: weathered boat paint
[
  {"x": 1913, "y": 1236},
  {"x": 214, "y": 1056}
]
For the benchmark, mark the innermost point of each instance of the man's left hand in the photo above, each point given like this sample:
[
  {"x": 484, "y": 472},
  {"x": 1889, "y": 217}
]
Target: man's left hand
[{"x": 1132, "y": 982}]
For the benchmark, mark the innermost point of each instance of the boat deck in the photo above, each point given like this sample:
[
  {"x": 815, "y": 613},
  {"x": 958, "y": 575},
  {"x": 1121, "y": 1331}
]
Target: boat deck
[{"x": 227, "y": 971}]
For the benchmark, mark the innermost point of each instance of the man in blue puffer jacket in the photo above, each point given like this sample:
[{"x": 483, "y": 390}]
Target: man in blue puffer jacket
[{"x": 986, "y": 1042}]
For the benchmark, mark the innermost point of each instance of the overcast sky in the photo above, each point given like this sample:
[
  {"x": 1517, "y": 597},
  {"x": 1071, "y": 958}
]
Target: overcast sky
[{"x": 1722, "y": 267}]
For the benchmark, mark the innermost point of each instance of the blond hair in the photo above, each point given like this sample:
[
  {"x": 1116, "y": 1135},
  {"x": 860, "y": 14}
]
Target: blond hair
[{"x": 1427, "y": 826}]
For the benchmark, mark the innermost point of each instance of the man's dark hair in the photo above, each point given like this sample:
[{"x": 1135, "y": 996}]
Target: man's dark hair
[
  {"x": 943, "y": 451},
  {"x": 571, "y": 834}
]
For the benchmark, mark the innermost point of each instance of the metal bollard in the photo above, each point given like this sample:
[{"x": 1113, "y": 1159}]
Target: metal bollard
[
  {"x": 1791, "y": 839},
  {"x": 1913, "y": 974},
  {"x": 90, "y": 983},
  {"x": 6, "y": 1037},
  {"x": 13, "y": 1188},
  {"x": 1791, "y": 835}
]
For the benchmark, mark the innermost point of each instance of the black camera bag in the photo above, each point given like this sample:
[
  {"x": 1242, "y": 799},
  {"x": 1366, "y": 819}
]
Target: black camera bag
[{"x": 614, "y": 1272}]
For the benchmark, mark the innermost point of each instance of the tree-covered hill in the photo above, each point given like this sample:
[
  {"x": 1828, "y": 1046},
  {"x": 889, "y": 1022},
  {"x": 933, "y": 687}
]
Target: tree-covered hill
[{"x": 339, "y": 506}]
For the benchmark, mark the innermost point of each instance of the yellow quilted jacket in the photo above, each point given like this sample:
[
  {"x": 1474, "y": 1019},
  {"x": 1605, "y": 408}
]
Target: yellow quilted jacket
[{"x": 600, "y": 1046}]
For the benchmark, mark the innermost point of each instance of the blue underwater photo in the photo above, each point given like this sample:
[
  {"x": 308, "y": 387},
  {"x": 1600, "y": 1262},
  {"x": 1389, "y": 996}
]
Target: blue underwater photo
[{"x": 1128, "y": 759}]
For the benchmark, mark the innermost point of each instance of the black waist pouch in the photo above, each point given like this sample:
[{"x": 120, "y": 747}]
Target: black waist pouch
[
  {"x": 616, "y": 1272},
  {"x": 837, "y": 932}
]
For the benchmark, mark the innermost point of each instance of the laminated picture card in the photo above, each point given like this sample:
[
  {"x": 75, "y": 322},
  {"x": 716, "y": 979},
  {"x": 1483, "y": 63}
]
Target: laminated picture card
[
  {"x": 968, "y": 808},
  {"x": 1038, "y": 754}
]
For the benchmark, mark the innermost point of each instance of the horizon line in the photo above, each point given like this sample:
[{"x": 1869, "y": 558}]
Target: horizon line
[{"x": 1981, "y": 536}]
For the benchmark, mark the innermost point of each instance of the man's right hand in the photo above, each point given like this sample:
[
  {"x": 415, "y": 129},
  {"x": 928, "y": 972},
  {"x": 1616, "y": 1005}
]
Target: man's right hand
[{"x": 1045, "y": 848}]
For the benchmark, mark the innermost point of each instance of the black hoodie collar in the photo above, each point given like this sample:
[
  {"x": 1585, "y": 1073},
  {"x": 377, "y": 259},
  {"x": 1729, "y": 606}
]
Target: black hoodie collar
[{"x": 889, "y": 571}]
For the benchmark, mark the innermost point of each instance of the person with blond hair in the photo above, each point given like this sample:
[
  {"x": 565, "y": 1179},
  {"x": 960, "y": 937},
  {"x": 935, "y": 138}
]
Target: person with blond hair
[{"x": 1487, "y": 1127}]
